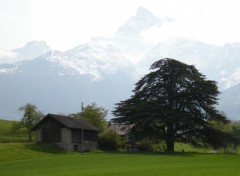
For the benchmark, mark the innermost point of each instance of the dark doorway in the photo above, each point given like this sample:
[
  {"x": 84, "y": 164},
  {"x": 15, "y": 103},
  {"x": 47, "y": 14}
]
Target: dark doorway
[{"x": 75, "y": 147}]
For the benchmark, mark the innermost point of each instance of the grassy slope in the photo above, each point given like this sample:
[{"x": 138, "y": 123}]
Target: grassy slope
[
  {"x": 6, "y": 135},
  {"x": 21, "y": 151},
  {"x": 30, "y": 159}
]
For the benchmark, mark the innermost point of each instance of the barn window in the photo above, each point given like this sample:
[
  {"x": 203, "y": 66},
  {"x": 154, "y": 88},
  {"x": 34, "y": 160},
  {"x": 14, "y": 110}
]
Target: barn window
[
  {"x": 77, "y": 136},
  {"x": 90, "y": 135}
]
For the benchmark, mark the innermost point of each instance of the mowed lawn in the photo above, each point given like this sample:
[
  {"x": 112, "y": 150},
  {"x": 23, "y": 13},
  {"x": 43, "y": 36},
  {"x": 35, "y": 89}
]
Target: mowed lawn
[{"x": 58, "y": 163}]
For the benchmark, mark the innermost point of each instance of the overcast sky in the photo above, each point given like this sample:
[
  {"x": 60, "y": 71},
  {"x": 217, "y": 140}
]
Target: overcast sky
[{"x": 64, "y": 24}]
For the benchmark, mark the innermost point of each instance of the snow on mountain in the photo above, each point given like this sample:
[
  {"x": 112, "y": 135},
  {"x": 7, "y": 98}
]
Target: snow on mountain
[
  {"x": 5, "y": 70},
  {"x": 105, "y": 69},
  {"x": 227, "y": 64},
  {"x": 94, "y": 59},
  {"x": 60, "y": 81},
  {"x": 219, "y": 63},
  {"x": 6, "y": 56},
  {"x": 29, "y": 51},
  {"x": 32, "y": 50},
  {"x": 188, "y": 51},
  {"x": 129, "y": 36},
  {"x": 143, "y": 20}
]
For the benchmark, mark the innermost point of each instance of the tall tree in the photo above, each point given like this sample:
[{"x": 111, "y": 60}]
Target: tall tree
[
  {"x": 174, "y": 103},
  {"x": 31, "y": 115},
  {"x": 94, "y": 114}
]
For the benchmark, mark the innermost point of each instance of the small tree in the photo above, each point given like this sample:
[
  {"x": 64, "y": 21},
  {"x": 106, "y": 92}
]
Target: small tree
[
  {"x": 31, "y": 115},
  {"x": 94, "y": 114}
]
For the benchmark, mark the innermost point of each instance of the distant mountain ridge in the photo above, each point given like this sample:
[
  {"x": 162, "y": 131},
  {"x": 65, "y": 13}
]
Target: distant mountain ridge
[
  {"x": 59, "y": 82},
  {"x": 105, "y": 70},
  {"x": 219, "y": 63},
  {"x": 230, "y": 102},
  {"x": 31, "y": 50}
]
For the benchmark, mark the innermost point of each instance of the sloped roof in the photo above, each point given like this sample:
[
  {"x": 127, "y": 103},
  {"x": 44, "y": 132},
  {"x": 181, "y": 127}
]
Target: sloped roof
[
  {"x": 120, "y": 129},
  {"x": 69, "y": 122}
]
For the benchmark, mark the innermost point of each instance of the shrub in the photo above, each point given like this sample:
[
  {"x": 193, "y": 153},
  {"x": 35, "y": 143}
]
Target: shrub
[
  {"x": 109, "y": 141},
  {"x": 147, "y": 145}
]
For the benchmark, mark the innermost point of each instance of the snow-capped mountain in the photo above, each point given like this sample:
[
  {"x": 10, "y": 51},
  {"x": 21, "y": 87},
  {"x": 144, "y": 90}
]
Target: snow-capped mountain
[
  {"x": 6, "y": 56},
  {"x": 142, "y": 21},
  {"x": 60, "y": 81},
  {"x": 219, "y": 63},
  {"x": 129, "y": 38},
  {"x": 31, "y": 50},
  {"x": 104, "y": 70},
  {"x": 98, "y": 59}
]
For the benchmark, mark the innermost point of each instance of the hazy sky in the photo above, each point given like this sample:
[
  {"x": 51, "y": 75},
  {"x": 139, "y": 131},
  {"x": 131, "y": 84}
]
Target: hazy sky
[{"x": 64, "y": 24}]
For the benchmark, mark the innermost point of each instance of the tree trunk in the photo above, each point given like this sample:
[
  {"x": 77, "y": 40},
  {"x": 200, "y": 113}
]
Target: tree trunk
[
  {"x": 170, "y": 145},
  {"x": 30, "y": 135},
  {"x": 170, "y": 139}
]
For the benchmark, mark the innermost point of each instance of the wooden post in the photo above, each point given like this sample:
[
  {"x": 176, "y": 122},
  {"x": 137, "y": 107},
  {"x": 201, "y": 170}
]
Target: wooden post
[{"x": 82, "y": 142}]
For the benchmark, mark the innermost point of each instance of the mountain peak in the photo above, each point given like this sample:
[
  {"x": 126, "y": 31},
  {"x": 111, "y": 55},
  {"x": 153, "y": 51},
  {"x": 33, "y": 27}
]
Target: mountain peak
[
  {"x": 143, "y": 13},
  {"x": 138, "y": 23},
  {"x": 34, "y": 45},
  {"x": 31, "y": 50}
]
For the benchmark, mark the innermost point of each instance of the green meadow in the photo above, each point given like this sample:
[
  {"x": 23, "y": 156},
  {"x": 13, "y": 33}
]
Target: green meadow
[
  {"x": 9, "y": 135},
  {"x": 28, "y": 159}
]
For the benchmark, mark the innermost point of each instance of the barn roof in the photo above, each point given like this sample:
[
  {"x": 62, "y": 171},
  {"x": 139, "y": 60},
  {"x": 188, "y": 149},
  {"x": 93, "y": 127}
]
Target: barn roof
[
  {"x": 120, "y": 129},
  {"x": 69, "y": 122}
]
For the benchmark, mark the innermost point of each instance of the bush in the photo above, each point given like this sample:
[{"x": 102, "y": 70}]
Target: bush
[
  {"x": 147, "y": 145},
  {"x": 109, "y": 141}
]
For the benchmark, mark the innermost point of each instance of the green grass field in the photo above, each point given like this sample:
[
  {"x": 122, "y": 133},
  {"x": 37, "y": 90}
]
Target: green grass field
[
  {"x": 23, "y": 159},
  {"x": 28, "y": 159},
  {"x": 7, "y": 135}
]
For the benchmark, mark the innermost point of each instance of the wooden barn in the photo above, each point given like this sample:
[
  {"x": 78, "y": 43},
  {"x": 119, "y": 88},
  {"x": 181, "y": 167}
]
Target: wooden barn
[{"x": 66, "y": 132}]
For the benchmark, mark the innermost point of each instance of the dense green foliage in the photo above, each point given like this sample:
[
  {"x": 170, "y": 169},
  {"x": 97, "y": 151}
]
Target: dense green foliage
[
  {"x": 174, "y": 103},
  {"x": 147, "y": 145},
  {"x": 94, "y": 114},
  {"x": 234, "y": 129},
  {"x": 31, "y": 115},
  {"x": 27, "y": 160},
  {"x": 109, "y": 141}
]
